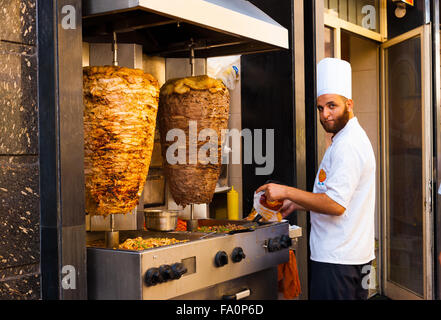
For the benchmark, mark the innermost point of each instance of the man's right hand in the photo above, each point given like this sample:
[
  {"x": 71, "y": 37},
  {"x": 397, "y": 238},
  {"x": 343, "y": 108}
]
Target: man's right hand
[{"x": 288, "y": 207}]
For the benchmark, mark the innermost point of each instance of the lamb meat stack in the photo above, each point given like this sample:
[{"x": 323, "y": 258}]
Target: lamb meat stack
[{"x": 205, "y": 101}]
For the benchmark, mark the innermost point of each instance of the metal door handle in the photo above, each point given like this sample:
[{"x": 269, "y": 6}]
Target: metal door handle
[{"x": 238, "y": 296}]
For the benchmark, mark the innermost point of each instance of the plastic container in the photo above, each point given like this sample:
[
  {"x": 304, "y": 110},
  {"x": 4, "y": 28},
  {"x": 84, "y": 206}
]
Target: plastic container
[{"x": 233, "y": 204}]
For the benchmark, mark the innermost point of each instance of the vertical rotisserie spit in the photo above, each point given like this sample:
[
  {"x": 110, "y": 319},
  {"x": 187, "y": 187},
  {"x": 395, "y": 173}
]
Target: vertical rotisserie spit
[
  {"x": 119, "y": 126},
  {"x": 203, "y": 102}
]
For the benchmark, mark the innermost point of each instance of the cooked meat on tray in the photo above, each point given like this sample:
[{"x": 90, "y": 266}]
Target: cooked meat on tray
[
  {"x": 141, "y": 244},
  {"x": 221, "y": 228}
]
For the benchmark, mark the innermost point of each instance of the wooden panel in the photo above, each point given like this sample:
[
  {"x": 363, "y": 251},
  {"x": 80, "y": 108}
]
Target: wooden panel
[
  {"x": 352, "y": 11},
  {"x": 343, "y": 9},
  {"x": 333, "y": 5}
]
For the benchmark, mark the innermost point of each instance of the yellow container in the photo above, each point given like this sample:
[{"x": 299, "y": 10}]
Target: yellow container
[{"x": 233, "y": 204}]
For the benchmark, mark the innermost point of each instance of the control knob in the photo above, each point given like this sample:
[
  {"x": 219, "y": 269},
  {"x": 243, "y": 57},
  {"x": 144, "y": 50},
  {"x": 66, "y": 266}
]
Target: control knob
[
  {"x": 285, "y": 241},
  {"x": 153, "y": 277},
  {"x": 273, "y": 244},
  {"x": 166, "y": 272},
  {"x": 221, "y": 259},
  {"x": 178, "y": 269},
  {"x": 237, "y": 254}
]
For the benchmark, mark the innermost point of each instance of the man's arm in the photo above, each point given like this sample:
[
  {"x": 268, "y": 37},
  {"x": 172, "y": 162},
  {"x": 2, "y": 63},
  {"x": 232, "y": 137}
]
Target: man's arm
[
  {"x": 289, "y": 207},
  {"x": 318, "y": 202}
]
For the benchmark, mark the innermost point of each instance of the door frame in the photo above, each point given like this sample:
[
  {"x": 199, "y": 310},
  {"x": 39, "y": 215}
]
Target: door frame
[{"x": 392, "y": 290}]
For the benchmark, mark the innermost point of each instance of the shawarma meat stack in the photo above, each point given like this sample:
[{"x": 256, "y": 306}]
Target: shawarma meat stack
[
  {"x": 204, "y": 101},
  {"x": 119, "y": 125}
]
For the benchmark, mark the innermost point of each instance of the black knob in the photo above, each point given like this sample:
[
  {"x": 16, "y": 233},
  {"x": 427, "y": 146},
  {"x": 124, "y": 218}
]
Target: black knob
[
  {"x": 166, "y": 272},
  {"x": 273, "y": 244},
  {"x": 237, "y": 255},
  {"x": 221, "y": 259},
  {"x": 153, "y": 277},
  {"x": 285, "y": 241},
  {"x": 178, "y": 269}
]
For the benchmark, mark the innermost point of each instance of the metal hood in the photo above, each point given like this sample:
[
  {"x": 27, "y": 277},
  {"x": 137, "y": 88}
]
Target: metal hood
[{"x": 166, "y": 27}]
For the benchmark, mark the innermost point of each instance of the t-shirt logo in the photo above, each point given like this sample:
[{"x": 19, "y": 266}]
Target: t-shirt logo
[{"x": 322, "y": 177}]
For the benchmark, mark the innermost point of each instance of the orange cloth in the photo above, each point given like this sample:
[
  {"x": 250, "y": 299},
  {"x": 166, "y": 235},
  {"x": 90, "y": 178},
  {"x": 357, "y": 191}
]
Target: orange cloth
[
  {"x": 181, "y": 225},
  {"x": 288, "y": 277}
]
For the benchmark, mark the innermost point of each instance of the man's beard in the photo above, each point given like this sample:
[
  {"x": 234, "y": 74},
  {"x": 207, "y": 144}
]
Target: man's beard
[{"x": 338, "y": 124}]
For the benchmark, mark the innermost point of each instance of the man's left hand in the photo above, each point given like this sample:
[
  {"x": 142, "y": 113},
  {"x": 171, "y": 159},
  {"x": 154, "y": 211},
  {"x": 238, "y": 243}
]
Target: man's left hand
[{"x": 274, "y": 192}]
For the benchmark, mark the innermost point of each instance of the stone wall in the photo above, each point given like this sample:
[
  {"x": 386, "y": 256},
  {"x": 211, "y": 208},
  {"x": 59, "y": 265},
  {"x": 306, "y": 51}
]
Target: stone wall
[{"x": 19, "y": 162}]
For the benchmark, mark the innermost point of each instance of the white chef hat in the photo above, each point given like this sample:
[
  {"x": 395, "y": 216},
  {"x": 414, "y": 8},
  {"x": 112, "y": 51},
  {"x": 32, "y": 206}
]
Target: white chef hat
[{"x": 334, "y": 76}]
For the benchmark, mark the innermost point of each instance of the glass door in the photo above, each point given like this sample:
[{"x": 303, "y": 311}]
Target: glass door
[{"x": 407, "y": 165}]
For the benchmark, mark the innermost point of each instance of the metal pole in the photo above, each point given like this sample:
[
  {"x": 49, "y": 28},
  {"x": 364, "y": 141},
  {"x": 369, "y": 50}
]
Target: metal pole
[
  {"x": 112, "y": 236},
  {"x": 192, "y": 59},
  {"x": 192, "y": 223},
  {"x": 115, "y": 50}
]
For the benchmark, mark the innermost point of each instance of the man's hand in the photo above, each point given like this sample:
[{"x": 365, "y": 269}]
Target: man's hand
[
  {"x": 307, "y": 201},
  {"x": 289, "y": 207},
  {"x": 274, "y": 192}
]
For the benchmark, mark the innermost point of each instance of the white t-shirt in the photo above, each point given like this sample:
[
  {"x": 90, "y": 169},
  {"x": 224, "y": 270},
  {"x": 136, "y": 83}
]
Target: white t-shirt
[{"x": 347, "y": 176}]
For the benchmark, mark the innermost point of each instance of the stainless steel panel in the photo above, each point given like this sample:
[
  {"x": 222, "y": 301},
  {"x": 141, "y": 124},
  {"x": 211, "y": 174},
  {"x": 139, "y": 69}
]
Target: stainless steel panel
[
  {"x": 119, "y": 274},
  {"x": 111, "y": 276},
  {"x": 129, "y": 55},
  {"x": 156, "y": 161},
  {"x": 129, "y": 221},
  {"x": 262, "y": 286},
  {"x": 96, "y": 7},
  {"x": 207, "y": 274},
  {"x": 246, "y": 20},
  {"x": 154, "y": 189}
]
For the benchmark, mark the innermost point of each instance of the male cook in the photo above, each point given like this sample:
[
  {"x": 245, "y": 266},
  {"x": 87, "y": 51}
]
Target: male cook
[{"x": 343, "y": 199}]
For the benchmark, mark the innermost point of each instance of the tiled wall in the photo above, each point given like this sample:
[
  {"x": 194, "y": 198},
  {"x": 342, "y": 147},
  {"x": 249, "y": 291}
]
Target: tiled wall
[{"x": 19, "y": 169}]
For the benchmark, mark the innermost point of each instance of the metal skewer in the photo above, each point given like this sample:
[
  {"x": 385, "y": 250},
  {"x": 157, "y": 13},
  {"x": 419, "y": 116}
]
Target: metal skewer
[
  {"x": 192, "y": 224},
  {"x": 112, "y": 236},
  {"x": 115, "y": 50},
  {"x": 192, "y": 59}
]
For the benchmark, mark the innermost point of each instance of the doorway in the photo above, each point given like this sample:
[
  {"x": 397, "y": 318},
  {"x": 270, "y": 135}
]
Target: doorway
[
  {"x": 363, "y": 54},
  {"x": 392, "y": 101},
  {"x": 407, "y": 166}
]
